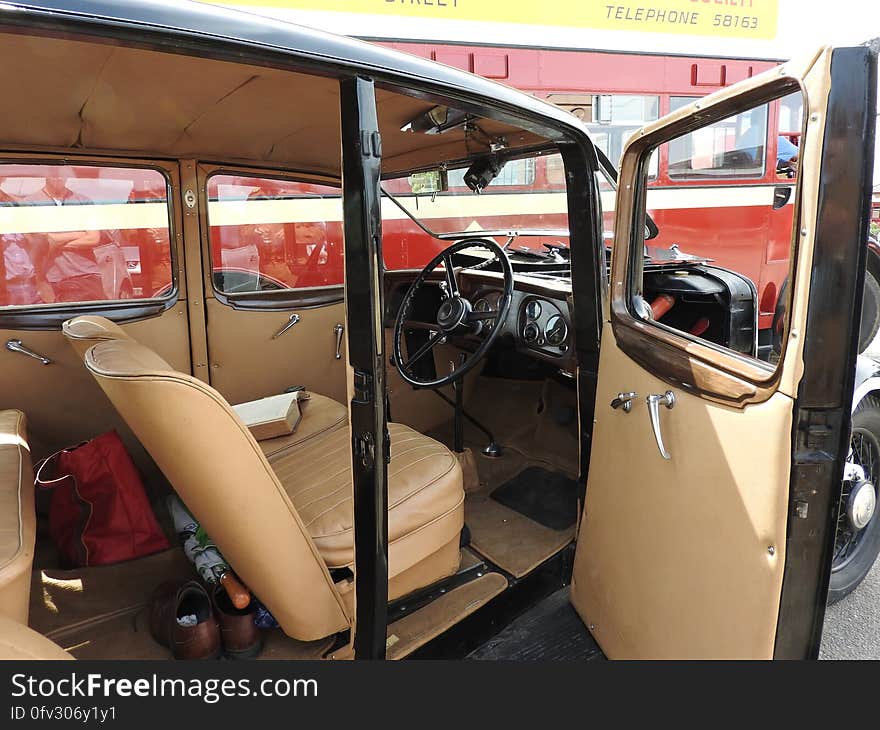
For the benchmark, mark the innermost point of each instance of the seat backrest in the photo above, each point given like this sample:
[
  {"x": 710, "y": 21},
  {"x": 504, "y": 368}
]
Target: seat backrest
[
  {"x": 220, "y": 472},
  {"x": 18, "y": 522},
  {"x": 84, "y": 331}
]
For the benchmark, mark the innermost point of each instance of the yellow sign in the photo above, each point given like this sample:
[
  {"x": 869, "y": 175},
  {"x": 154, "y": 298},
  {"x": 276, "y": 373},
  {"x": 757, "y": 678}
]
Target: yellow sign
[{"x": 721, "y": 18}]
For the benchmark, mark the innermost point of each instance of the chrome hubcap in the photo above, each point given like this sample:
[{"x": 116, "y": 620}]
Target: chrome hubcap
[{"x": 861, "y": 505}]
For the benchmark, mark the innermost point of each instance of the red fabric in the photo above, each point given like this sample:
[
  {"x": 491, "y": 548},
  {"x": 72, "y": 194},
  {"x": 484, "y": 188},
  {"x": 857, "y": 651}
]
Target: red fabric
[{"x": 99, "y": 512}]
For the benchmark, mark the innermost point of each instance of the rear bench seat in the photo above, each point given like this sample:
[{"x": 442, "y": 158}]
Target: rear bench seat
[{"x": 17, "y": 516}]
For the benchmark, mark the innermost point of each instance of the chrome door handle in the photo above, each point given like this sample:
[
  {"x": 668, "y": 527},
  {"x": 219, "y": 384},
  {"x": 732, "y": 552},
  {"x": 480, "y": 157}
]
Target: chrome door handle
[
  {"x": 625, "y": 401},
  {"x": 654, "y": 402},
  {"x": 294, "y": 318},
  {"x": 16, "y": 346},
  {"x": 339, "y": 329}
]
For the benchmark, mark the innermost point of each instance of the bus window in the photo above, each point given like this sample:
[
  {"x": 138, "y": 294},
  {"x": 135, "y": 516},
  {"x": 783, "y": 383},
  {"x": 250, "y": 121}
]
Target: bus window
[
  {"x": 614, "y": 118},
  {"x": 515, "y": 172},
  {"x": 791, "y": 121},
  {"x": 734, "y": 147}
]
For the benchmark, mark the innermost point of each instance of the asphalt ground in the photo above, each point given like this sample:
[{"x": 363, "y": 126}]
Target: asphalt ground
[{"x": 852, "y": 626}]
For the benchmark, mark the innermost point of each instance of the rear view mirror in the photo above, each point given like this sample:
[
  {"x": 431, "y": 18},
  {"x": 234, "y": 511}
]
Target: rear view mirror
[{"x": 429, "y": 182}]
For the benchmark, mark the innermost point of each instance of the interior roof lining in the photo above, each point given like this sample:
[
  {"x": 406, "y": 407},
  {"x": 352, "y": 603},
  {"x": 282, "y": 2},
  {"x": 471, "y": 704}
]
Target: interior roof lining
[{"x": 145, "y": 103}]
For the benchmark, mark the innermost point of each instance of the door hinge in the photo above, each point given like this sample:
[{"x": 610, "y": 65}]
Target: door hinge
[
  {"x": 818, "y": 436},
  {"x": 365, "y": 450},
  {"x": 363, "y": 387}
]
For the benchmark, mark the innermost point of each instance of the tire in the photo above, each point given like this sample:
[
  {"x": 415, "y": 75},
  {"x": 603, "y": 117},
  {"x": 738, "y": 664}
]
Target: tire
[
  {"x": 852, "y": 562},
  {"x": 870, "y": 323}
]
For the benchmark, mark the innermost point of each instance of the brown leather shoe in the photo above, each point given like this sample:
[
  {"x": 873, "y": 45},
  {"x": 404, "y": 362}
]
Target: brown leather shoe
[
  {"x": 240, "y": 636},
  {"x": 172, "y": 602}
]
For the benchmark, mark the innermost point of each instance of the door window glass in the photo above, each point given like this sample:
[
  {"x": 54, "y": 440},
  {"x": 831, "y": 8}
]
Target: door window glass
[
  {"x": 718, "y": 270},
  {"x": 271, "y": 234},
  {"x": 83, "y": 233},
  {"x": 733, "y": 147}
]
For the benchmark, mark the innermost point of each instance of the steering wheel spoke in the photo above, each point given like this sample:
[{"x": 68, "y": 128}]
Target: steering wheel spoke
[
  {"x": 414, "y": 324},
  {"x": 451, "y": 282},
  {"x": 453, "y": 313},
  {"x": 476, "y": 316},
  {"x": 433, "y": 340}
]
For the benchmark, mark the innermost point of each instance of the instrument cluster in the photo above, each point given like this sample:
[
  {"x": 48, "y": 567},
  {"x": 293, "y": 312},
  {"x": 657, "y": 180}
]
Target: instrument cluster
[{"x": 543, "y": 326}]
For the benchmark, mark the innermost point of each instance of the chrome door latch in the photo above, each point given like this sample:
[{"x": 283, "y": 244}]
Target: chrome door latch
[
  {"x": 654, "y": 402},
  {"x": 16, "y": 346},
  {"x": 294, "y": 318},
  {"x": 338, "y": 330},
  {"x": 624, "y": 401}
]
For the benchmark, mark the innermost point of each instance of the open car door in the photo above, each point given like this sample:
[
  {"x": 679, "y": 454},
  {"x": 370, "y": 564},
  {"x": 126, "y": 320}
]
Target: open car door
[{"x": 714, "y": 480}]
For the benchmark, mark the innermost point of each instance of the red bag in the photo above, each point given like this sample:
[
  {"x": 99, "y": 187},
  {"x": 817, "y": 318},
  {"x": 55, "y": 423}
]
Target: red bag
[{"x": 99, "y": 512}]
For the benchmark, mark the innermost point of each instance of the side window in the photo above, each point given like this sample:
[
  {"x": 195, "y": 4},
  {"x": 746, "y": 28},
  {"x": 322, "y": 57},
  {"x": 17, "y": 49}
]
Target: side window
[
  {"x": 83, "y": 234},
  {"x": 733, "y": 147},
  {"x": 719, "y": 268},
  {"x": 273, "y": 234}
]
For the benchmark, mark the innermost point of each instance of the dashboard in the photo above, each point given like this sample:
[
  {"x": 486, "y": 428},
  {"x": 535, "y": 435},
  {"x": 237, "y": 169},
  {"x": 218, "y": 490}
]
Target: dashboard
[{"x": 538, "y": 322}]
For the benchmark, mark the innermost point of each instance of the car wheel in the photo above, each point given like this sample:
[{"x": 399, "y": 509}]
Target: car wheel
[
  {"x": 855, "y": 550},
  {"x": 870, "y": 312}
]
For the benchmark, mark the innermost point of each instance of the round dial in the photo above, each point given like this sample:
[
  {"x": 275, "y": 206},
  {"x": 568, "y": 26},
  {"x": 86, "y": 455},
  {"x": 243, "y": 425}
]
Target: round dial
[
  {"x": 531, "y": 333},
  {"x": 484, "y": 305},
  {"x": 557, "y": 331},
  {"x": 533, "y": 309}
]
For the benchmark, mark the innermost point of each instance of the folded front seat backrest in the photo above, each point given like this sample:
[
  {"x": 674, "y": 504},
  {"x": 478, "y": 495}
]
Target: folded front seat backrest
[
  {"x": 86, "y": 330},
  {"x": 220, "y": 472}
]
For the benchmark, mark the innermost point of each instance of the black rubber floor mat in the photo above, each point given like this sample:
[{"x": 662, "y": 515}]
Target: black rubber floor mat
[
  {"x": 548, "y": 498},
  {"x": 549, "y": 631}
]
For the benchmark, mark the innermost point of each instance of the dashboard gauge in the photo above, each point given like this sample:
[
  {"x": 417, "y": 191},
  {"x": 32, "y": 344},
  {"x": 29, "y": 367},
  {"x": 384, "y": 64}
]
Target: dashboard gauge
[
  {"x": 557, "y": 331},
  {"x": 531, "y": 333},
  {"x": 533, "y": 309},
  {"x": 484, "y": 305}
]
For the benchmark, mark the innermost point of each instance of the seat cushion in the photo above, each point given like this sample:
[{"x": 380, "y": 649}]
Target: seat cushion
[
  {"x": 17, "y": 641},
  {"x": 425, "y": 495},
  {"x": 319, "y": 414},
  {"x": 17, "y": 516}
]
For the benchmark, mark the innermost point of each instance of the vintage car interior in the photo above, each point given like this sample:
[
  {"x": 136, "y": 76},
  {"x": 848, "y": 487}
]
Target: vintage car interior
[{"x": 230, "y": 224}]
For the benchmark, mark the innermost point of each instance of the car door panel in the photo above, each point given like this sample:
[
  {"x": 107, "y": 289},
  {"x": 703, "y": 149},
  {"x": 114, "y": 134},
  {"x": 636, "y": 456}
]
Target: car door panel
[
  {"x": 249, "y": 362},
  {"x": 676, "y": 548},
  {"x": 685, "y": 557},
  {"x": 62, "y": 402}
]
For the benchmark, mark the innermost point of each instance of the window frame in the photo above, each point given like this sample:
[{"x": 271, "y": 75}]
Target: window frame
[
  {"x": 272, "y": 300},
  {"x": 51, "y": 316},
  {"x": 715, "y": 372}
]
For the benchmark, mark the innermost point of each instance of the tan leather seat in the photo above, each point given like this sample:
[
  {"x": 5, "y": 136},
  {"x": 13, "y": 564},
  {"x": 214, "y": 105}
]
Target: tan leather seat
[
  {"x": 281, "y": 528},
  {"x": 17, "y": 641},
  {"x": 84, "y": 331},
  {"x": 18, "y": 523},
  {"x": 424, "y": 495},
  {"x": 319, "y": 413}
]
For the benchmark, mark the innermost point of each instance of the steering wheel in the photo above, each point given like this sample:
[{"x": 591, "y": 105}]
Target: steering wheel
[{"x": 454, "y": 316}]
